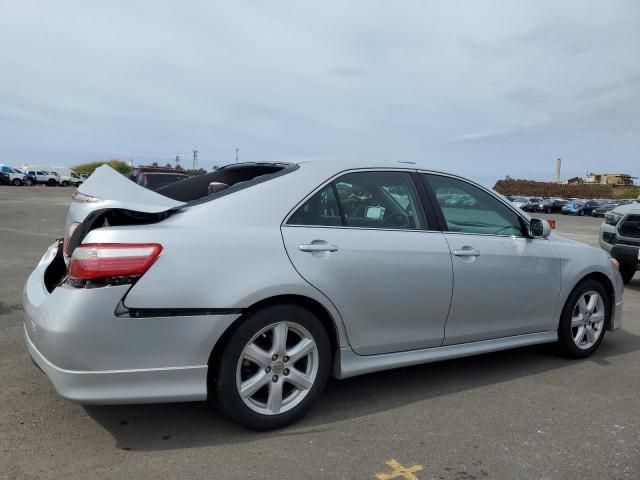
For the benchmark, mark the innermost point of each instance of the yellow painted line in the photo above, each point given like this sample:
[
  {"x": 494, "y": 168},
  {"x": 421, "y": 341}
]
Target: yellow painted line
[{"x": 398, "y": 471}]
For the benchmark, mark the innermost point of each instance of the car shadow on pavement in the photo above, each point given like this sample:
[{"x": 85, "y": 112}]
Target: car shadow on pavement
[{"x": 187, "y": 425}]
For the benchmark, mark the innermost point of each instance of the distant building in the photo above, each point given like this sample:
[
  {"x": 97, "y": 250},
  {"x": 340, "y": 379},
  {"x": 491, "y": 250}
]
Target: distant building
[
  {"x": 610, "y": 179},
  {"x": 575, "y": 180}
]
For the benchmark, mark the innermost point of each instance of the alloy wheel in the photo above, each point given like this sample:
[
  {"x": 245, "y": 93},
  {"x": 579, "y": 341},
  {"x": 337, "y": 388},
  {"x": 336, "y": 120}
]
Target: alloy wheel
[
  {"x": 277, "y": 368},
  {"x": 587, "y": 320}
]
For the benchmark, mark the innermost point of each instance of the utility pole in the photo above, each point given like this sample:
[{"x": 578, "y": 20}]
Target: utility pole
[
  {"x": 195, "y": 158},
  {"x": 237, "y": 150}
]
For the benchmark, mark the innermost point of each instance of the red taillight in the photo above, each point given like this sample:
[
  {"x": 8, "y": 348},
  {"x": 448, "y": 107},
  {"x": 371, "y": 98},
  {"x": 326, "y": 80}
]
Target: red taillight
[
  {"x": 106, "y": 260},
  {"x": 66, "y": 243}
]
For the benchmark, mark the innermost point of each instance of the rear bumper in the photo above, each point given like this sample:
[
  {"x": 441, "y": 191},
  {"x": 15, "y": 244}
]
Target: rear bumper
[
  {"x": 92, "y": 355},
  {"x": 124, "y": 386}
]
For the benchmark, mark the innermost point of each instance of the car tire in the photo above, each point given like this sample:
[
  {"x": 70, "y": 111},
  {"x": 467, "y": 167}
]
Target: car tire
[
  {"x": 254, "y": 352},
  {"x": 627, "y": 272},
  {"x": 583, "y": 325},
  {"x": 51, "y": 182},
  {"x": 548, "y": 210},
  {"x": 64, "y": 184},
  {"x": 581, "y": 213},
  {"x": 16, "y": 182}
]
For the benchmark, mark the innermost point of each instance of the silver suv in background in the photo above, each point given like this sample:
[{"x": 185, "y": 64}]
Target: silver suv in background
[
  {"x": 620, "y": 236},
  {"x": 44, "y": 177}
]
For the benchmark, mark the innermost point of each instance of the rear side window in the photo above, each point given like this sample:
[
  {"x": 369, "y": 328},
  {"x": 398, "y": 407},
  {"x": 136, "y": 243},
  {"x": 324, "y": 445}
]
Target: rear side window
[
  {"x": 387, "y": 200},
  {"x": 320, "y": 210}
]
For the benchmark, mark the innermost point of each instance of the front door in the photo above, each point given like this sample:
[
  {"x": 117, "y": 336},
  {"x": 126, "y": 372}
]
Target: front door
[{"x": 504, "y": 282}]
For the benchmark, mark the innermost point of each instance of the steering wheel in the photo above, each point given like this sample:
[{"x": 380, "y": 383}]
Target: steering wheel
[{"x": 396, "y": 220}]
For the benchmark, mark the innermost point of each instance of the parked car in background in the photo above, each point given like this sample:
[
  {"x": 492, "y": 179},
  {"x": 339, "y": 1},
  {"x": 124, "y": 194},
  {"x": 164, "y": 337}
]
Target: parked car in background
[
  {"x": 4, "y": 178},
  {"x": 620, "y": 236},
  {"x": 15, "y": 178},
  {"x": 154, "y": 180},
  {"x": 253, "y": 292},
  {"x": 531, "y": 204},
  {"x": 601, "y": 210},
  {"x": 137, "y": 171},
  {"x": 573, "y": 207},
  {"x": 518, "y": 201},
  {"x": 29, "y": 179},
  {"x": 590, "y": 206},
  {"x": 551, "y": 205},
  {"x": 43, "y": 177}
]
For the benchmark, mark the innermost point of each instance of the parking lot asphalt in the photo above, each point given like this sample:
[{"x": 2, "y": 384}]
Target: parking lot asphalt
[{"x": 523, "y": 413}]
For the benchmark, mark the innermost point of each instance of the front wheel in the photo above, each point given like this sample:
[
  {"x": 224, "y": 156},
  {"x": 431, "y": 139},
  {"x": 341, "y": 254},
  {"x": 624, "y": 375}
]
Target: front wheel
[
  {"x": 273, "y": 367},
  {"x": 17, "y": 182},
  {"x": 584, "y": 320},
  {"x": 64, "y": 184}
]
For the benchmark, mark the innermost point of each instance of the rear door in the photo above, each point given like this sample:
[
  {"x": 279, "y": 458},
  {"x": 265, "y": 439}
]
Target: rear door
[
  {"x": 504, "y": 282},
  {"x": 365, "y": 242}
]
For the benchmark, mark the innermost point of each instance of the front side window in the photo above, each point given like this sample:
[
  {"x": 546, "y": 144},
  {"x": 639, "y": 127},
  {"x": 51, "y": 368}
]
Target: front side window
[
  {"x": 469, "y": 209},
  {"x": 387, "y": 200}
]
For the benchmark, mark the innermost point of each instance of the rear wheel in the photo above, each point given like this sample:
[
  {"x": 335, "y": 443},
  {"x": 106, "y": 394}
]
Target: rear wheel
[
  {"x": 584, "y": 320},
  {"x": 51, "y": 182},
  {"x": 627, "y": 271},
  {"x": 64, "y": 184},
  {"x": 17, "y": 182},
  {"x": 273, "y": 368}
]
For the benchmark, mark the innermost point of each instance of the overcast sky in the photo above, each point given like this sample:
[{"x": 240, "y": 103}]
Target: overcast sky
[{"x": 484, "y": 89}]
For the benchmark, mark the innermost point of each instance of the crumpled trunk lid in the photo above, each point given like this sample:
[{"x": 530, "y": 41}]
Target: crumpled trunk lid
[
  {"x": 108, "y": 189},
  {"x": 108, "y": 198}
]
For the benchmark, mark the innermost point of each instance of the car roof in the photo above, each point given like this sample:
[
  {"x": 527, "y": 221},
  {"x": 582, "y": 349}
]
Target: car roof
[{"x": 337, "y": 166}]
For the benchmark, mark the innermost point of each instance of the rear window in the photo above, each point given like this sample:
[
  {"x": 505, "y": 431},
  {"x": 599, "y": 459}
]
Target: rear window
[{"x": 225, "y": 180}]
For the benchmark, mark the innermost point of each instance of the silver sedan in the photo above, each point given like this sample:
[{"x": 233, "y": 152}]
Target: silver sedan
[{"x": 252, "y": 284}]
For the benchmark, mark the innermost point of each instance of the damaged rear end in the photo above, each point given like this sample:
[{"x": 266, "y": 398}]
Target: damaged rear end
[{"x": 78, "y": 330}]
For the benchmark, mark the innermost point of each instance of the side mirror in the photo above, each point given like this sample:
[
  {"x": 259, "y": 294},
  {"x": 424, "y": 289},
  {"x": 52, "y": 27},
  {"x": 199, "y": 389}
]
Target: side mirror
[{"x": 539, "y": 228}]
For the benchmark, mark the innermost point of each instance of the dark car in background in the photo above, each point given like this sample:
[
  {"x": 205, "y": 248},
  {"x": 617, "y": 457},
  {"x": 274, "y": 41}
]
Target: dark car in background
[
  {"x": 590, "y": 206},
  {"x": 155, "y": 180},
  {"x": 603, "y": 209},
  {"x": 580, "y": 207},
  {"x": 551, "y": 205},
  {"x": 4, "y": 179}
]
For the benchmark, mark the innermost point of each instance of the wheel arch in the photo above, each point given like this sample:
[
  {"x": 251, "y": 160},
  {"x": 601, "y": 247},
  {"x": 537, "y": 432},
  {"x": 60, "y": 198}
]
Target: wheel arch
[
  {"x": 324, "y": 316},
  {"x": 606, "y": 283}
]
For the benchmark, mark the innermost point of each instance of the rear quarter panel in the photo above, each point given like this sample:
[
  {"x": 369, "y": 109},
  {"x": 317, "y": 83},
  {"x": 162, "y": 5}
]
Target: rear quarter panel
[{"x": 227, "y": 253}]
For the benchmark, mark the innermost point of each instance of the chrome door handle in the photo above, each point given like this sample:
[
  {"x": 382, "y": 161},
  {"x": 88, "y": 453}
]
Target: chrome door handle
[
  {"x": 466, "y": 253},
  {"x": 318, "y": 247}
]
